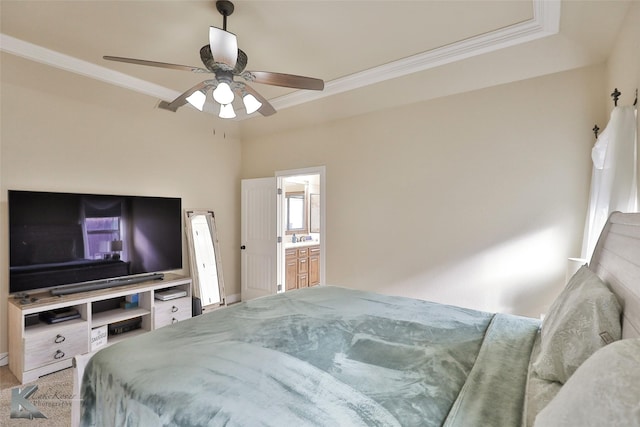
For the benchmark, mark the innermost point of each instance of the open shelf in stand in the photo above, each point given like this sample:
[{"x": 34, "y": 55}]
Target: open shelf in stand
[{"x": 117, "y": 315}]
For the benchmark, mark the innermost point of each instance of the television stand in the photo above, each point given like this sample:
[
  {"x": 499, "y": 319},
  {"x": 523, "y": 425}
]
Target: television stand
[
  {"x": 37, "y": 347},
  {"x": 102, "y": 284}
]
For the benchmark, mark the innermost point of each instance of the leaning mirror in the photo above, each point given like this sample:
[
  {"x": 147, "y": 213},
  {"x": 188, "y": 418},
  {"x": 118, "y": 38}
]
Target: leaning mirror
[{"x": 204, "y": 258}]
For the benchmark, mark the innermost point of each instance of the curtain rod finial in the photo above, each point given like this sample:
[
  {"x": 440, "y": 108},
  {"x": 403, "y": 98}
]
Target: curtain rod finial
[{"x": 615, "y": 95}]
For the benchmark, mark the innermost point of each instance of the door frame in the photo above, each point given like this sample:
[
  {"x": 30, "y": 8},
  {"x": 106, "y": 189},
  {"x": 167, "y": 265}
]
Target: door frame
[{"x": 280, "y": 176}]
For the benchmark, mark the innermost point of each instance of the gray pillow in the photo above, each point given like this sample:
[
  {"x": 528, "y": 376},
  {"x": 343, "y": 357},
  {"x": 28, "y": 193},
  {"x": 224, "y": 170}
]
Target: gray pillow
[
  {"x": 604, "y": 391},
  {"x": 584, "y": 318}
]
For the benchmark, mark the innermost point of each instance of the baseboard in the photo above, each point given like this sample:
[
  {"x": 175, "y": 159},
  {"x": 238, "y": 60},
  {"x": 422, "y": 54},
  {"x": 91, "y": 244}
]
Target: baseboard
[
  {"x": 4, "y": 359},
  {"x": 232, "y": 299}
]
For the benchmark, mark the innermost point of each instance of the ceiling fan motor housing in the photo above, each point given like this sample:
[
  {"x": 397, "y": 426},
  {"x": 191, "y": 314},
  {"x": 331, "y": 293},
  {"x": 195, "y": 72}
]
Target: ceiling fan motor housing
[{"x": 224, "y": 76}]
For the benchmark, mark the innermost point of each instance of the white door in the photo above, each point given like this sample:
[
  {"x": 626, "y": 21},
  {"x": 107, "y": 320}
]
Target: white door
[{"x": 258, "y": 235}]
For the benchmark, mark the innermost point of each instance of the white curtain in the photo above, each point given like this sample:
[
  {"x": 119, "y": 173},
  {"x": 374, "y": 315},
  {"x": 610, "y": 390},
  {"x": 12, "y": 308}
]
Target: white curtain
[{"x": 614, "y": 176}]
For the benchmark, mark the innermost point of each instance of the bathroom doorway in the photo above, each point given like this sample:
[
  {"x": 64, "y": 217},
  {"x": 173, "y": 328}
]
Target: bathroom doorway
[
  {"x": 301, "y": 231},
  {"x": 265, "y": 238}
]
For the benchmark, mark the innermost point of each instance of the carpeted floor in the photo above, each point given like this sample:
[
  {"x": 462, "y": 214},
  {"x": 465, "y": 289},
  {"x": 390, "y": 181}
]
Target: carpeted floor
[{"x": 53, "y": 399}]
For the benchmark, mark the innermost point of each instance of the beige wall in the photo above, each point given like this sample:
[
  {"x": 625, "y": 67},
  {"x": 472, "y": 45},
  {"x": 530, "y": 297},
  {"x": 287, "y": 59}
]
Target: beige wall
[
  {"x": 62, "y": 132},
  {"x": 475, "y": 200},
  {"x": 623, "y": 67}
]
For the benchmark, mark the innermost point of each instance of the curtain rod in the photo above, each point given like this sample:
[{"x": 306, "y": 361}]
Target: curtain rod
[{"x": 616, "y": 95}]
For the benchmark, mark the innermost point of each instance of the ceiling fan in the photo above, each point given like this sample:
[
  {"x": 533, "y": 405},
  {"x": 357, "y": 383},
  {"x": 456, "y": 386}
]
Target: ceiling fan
[{"x": 223, "y": 58}]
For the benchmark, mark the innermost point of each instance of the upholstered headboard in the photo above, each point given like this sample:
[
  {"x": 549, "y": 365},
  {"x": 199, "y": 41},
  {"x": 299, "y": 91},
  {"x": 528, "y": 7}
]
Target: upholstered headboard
[{"x": 616, "y": 260}]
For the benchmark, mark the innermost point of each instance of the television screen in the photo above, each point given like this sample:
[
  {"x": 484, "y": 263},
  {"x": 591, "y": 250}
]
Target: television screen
[{"x": 60, "y": 239}]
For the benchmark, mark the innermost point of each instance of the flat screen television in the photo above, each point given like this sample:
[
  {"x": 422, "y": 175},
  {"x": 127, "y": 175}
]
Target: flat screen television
[{"x": 67, "y": 242}]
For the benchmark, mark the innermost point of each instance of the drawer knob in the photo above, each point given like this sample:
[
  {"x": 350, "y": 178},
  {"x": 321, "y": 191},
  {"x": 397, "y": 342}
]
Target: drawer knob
[
  {"x": 59, "y": 354},
  {"x": 174, "y": 309},
  {"x": 59, "y": 339},
  {"x": 174, "y": 320}
]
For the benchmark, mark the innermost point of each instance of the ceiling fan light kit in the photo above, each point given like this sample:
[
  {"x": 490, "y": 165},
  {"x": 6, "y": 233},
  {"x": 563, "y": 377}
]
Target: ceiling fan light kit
[
  {"x": 197, "y": 99},
  {"x": 227, "y": 112},
  {"x": 225, "y": 60},
  {"x": 251, "y": 104},
  {"x": 223, "y": 94}
]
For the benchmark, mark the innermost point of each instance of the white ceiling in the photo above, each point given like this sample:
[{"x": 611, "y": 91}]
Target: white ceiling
[{"x": 371, "y": 54}]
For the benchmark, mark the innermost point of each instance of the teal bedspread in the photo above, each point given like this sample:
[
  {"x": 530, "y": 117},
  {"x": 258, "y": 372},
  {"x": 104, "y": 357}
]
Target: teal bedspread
[{"x": 325, "y": 356}]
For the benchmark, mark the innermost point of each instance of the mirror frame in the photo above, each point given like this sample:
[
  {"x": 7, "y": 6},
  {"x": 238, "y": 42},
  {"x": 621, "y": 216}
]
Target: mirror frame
[{"x": 197, "y": 292}]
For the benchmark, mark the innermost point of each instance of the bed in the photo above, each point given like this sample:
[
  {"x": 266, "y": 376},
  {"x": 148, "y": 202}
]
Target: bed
[{"x": 331, "y": 356}]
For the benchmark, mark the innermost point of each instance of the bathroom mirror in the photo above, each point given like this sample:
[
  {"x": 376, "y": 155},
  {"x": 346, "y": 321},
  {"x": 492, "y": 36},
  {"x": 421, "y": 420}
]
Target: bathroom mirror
[
  {"x": 295, "y": 211},
  {"x": 204, "y": 258}
]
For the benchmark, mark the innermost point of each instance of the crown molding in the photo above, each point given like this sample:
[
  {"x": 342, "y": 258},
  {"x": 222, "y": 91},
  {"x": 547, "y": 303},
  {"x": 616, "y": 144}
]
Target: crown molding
[
  {"x": 72, "y": 64},
  {"x": 545, "y": 22}
]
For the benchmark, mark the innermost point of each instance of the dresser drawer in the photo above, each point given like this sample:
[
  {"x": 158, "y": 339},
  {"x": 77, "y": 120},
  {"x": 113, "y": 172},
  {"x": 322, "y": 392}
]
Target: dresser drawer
[
  {"x": 55, "y": 343},
  {"x": 172, "y": 311}
]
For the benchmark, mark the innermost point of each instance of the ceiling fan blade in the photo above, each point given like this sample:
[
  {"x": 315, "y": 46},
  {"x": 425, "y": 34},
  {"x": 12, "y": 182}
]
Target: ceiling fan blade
[
  {"x": 156, "y": 64},
  {"x": 286, "y": 80},
  {"x": 224, "y": 46},
  {"x": 266, "y": 109},
  {"x": 182, "y": 99}
]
